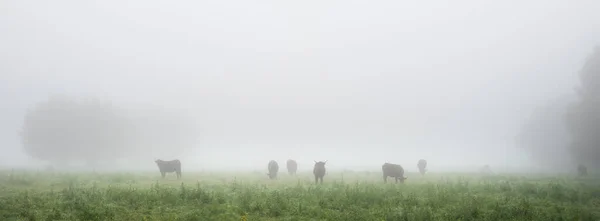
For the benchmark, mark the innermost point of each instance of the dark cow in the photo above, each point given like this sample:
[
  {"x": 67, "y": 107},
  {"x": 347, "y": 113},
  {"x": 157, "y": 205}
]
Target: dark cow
[
  {"x": 292, "y": 166},
  {"x": 169, "y": 167},
  {"x": 319, "y": 171},
  {"x": 422, "y": 164},
  {"x": 393, "y": 170},
  {"x": 582, "y": 170},
  {"x": 273, "y": 169}
]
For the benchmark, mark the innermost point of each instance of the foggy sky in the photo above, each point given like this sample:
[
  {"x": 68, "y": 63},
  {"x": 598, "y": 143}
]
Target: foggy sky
[{"x": 353, "y": 82}]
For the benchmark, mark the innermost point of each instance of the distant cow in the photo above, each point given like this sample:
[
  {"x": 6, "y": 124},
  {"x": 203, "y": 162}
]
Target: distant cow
[
  {"x": 393, "y": 170},
  {"x": 319, "y": 171},
  {"x": 292, "y": 167},
  {"x": 582, "y": 170},
  {"x": 169, "y": 167},
  {"x": 273, "y": 169},
  {"x": 422, "y": 164}
]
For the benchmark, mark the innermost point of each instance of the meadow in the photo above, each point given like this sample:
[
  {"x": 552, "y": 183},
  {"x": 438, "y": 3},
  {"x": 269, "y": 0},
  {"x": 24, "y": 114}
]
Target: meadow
[{"x": 32, "y": 195}]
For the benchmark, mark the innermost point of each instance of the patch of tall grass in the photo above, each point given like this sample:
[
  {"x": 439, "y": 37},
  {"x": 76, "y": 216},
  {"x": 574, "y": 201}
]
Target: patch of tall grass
[{"x": 356, "y": 196}]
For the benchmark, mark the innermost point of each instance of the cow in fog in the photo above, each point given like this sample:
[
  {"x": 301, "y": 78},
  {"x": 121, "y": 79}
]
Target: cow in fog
[
  {"x": 582, "y": 170},
  {"x": 319, "y": 171},
  {"x": 292, "y": 167},
  {"x": 273, "y": 169},
  {"x": 393, "y": 170},
  {"x": 169, "y": 167},
  {"x": 422, "y": 164}
]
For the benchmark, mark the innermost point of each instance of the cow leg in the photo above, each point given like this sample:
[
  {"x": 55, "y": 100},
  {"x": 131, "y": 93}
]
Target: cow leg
[
  {"x": 162, "y": 174},
  {"x": 384, "y": 179},
  {"x": 396, "y": 179},
  {"x": 321, "y": 180}
]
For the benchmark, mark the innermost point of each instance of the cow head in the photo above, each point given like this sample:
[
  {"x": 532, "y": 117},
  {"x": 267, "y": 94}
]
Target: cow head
[
  {"x": 320, "y": 164},
  {"x": 402, "y": 179}
]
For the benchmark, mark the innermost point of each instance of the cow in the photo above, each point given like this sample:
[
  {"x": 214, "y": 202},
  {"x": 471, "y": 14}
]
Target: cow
[
  {"x": 319, "y": 171},
  {"x": 582, "y": 170},
  {"x": 393, "y": 170},
  {"x": 273, "y": 169},
  {"x": 422, "y": 164},
  {"x": 169, "y": 167},
  {"x": 292, "y": 167}
]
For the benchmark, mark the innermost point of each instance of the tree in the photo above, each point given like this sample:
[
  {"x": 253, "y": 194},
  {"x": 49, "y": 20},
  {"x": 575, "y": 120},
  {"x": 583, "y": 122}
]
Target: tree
[
  {"x": 63, "y": 129},
  {"x": 583, "y": 118},
  {"x": 544, "y": 135},
  {"x": 564, "y": 133}
]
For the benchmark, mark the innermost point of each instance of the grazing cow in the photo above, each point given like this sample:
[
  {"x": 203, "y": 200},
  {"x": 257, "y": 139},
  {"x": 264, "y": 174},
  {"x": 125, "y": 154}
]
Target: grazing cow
[
  {"x": 582, "y": 170},
  {"x": 393, "y": 170},
  {"x": 169, "y": 167},
  {"x": 319, "y": 171},
  {"x": 292, "y": 166},
  {"x": 421, "y": 165},
  {"x": 273, "y": 169}
]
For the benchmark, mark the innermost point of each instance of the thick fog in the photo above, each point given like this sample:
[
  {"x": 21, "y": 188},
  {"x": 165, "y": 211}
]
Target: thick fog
[{"x": 357, "y": 83}]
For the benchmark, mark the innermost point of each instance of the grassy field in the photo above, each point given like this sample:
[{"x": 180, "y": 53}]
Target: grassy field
[{"x": 29, "y": 195}]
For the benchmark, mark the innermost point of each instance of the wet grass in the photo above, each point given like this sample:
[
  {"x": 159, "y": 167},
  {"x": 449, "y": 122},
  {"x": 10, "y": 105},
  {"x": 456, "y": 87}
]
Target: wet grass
[{"x": 27, "y": 195}]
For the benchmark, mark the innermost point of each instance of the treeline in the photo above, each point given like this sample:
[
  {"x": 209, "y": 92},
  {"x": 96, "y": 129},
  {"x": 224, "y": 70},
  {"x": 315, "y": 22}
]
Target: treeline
[
  {"x": 565, "y": 133},
  {"x": 65, "y": 129}
]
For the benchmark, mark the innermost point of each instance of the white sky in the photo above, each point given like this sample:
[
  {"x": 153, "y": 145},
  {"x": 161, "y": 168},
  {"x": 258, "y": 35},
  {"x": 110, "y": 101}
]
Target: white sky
[{"x": 354, "y": 82}]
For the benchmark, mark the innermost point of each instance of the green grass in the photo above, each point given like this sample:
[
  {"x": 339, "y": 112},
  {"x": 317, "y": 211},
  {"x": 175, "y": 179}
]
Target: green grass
[{"x": 343, "y": 196}]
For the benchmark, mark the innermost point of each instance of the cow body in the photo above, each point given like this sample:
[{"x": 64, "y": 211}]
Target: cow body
[
  {"x": 422, "y": 164},
  {"x": 292, "y": 167},
  {"x": 582, "y": 170},
  {"x": 393, "y": 170},
  {"x": 273, "y": 168},
  {"x": 169, "y": 167},
  {"x": 319, "y": 171}
]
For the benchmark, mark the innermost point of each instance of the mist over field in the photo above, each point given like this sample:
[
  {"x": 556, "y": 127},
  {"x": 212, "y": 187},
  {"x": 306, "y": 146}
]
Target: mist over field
[{"x": 233, "y": 84}]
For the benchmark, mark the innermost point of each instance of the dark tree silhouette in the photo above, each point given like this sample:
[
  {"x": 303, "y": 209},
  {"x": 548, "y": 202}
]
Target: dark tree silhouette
[
  {"x": 545, "y": 138},
  {"x": 63, "y": 129},
  {"x": 583, "y": 118},
  {"x": 563, "y": 133}
]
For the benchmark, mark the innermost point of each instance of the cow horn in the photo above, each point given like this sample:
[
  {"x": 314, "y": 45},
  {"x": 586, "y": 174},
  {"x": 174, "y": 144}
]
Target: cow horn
[
  {"x": 325, "y": 161},
  {"x": 315, "y": 161}
]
